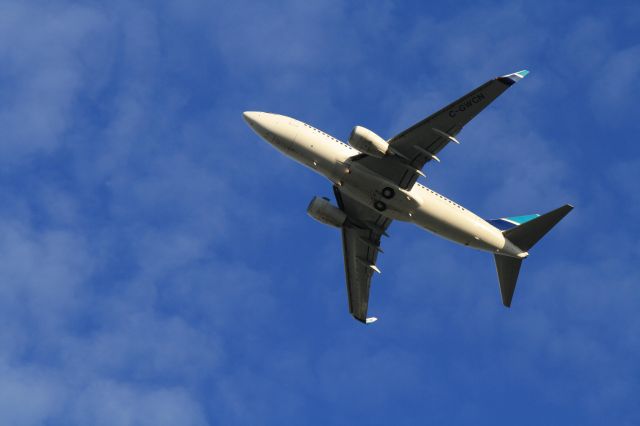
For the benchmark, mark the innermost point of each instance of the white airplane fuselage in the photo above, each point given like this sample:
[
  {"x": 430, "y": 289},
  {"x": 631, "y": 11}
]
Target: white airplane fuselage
[{"x": 420, "y": 205}]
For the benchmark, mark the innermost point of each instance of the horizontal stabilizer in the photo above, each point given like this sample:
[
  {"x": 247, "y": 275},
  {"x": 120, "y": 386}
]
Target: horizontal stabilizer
[
  {"x": 508, "y": 269},
  {"x": 524, "y": 232},
  {"x": 526, "y": 235}
]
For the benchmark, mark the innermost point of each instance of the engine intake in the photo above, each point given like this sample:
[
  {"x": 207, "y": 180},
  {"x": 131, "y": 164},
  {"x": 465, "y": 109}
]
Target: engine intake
[
  {"x": 324, "y": 212},
  {"x": 367, "y": 142}
]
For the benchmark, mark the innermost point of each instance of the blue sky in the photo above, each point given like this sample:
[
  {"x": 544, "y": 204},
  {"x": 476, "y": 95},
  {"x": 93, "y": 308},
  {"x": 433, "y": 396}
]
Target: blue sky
[{"x": 158, "y": 266}]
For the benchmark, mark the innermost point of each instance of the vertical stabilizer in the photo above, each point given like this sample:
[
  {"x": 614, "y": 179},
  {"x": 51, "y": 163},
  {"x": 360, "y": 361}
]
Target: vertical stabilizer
[{"x": 508, "y": 269}]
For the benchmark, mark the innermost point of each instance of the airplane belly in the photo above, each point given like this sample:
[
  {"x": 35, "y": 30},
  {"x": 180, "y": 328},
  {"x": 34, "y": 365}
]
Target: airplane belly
[
  {"x": 451, "y": 221},
  {"x": 306, "y": 147},
  {"x": 320, "y": 155},
  {"x": 378, "y": 194},
  {"x": 284, "y": 140}
]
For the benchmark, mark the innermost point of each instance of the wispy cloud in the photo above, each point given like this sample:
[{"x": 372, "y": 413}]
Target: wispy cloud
[{"x": 43, "y": 72}]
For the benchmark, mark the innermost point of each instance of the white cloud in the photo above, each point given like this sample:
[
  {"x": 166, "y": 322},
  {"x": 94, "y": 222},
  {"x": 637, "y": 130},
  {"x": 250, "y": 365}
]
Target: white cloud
[
  {"x": 612, "y": 93},
  {"x": 29, "y": 396},
  {"x": 44, "y": 72},
  {"x": 42, "y": 275},
  {"x": 112, "y": 403}
]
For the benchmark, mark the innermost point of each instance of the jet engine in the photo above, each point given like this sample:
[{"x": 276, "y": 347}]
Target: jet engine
[
  {"x": 324, "y": 212},
  {"x": 367, "y": 142}
]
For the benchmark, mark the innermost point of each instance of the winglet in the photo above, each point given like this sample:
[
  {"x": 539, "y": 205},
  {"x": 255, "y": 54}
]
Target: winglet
[
  {"x": 515, "y": 77},
  {"x": 369, "y": 320}
]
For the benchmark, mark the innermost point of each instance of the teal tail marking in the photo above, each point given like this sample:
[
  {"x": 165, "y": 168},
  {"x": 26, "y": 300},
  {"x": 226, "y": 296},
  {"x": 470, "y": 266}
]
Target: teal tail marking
[{"x": 505, "y": 223}]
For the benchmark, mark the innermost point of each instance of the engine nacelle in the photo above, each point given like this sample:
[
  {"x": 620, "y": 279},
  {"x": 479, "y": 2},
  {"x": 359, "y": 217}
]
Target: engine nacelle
[
  {"x": 324, "y": 212},
  {"x": 367, "y": 142}
]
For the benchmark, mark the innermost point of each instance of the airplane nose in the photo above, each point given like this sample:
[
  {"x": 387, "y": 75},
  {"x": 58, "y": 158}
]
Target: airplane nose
[
  {"x": 266, "y": 125},
  {"x": 251, "y": 117}
]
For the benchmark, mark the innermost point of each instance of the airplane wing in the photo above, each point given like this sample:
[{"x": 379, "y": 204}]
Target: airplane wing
[
  {"x": 361, "y": 243},
  {"x": 421, "y": 143}
]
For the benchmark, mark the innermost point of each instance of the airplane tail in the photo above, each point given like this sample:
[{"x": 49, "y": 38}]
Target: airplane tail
[{"x": 524, "y": 235}]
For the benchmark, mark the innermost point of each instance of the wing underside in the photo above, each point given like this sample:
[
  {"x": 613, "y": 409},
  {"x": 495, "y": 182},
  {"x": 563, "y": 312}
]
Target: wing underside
[
  {"x": 420, "y": 143},
  {"x": 361, "y": 243}
]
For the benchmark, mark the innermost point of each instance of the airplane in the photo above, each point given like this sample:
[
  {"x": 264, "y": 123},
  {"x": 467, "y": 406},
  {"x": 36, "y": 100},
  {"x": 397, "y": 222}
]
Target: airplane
[{"x": 375, "y": 181}]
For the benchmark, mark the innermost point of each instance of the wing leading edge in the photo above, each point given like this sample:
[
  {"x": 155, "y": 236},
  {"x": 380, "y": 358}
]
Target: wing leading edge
[{"x": 361, "y": 243}]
